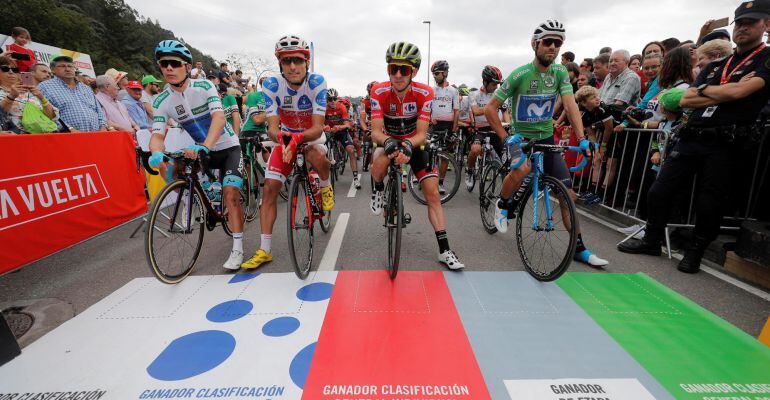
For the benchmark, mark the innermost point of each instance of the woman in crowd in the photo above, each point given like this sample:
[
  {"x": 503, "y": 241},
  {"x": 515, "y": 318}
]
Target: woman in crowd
[
  {"x": 574, "y": 72},
  {"x": 14, "y": 96},
  {"x": 636, "y": 63},
  {"x": 713, "y": 50},
  {"x": 654, "y": 47}
]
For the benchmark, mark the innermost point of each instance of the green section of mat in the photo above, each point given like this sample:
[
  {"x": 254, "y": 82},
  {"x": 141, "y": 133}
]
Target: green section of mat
[{"x": 693, "y": 353}]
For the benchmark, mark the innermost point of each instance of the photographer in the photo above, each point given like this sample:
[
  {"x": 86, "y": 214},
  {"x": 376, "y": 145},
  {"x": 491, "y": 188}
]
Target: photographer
[{"x": 725, "y": 107}]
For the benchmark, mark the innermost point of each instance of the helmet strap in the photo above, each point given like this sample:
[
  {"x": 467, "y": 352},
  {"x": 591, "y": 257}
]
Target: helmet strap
[{"x": 180, "y": 84}]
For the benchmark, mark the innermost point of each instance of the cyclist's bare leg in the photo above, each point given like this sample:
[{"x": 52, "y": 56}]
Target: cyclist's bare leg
[
  {"x": 435, "y": 211},
  {"x": 473, "y": 154},
  {"x": 443, "y": 165},
  {"x": 232, "y": 197},
  {"x": 352, "y": 156},
  {"x": 357, "y": 145},
  {"x": 380, "y": 162},
  {"x": 565, "y": 211},
  {"x": 269, "y": 210},
  {"x": 513, "y": 180},
  {"x": 316, "y": 156}
]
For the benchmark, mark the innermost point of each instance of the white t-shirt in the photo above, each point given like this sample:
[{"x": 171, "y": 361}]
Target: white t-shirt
[
  {"x": 480, "y": 99},
  {"x": 445, "y": 101}
]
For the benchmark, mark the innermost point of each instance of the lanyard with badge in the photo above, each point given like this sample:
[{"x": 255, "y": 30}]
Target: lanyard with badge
[{"x": 725, "y": 78}]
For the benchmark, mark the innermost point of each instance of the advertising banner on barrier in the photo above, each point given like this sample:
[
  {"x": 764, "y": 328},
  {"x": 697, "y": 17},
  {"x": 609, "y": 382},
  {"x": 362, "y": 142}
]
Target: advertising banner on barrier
[
  {"x": 44, "y": 52},
  {"x": 59, "y": 189}
]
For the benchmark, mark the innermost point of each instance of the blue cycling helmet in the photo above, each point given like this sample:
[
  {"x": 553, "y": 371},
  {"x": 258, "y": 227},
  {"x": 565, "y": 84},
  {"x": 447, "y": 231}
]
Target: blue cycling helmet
[{"x": 174, "y": 48}]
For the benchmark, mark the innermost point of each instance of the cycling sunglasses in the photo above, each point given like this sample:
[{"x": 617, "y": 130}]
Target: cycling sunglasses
[
  {"x": 172, "y": 63},
  {"x": 286, "y": 61},
  {"x": 406, "y": 70},
  {"x": 547, "y": 42},
  {"x": 6, "y": 68}
]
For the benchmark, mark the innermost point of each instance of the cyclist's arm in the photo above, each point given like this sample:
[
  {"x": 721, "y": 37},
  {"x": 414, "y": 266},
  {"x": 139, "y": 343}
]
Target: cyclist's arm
[
  {"x": 573, "y": 114},
  {"x": 456, "y": 109},
  {"x": 236, "y": 122},
  {"x": 490, "y": 111},
  {"x": 315, "y": 131},
  {"x": 362, "y": 120},
  {"x": 420, "y": 133},
  {"x": 159, "y": 126},
  {"x": 218, "y": 122},
  {"x": 378, "y": 132},
  {"x": 274, "y": 128},
  {"x": 477, "y": 110},
  {"x": 259, "y": 118}
]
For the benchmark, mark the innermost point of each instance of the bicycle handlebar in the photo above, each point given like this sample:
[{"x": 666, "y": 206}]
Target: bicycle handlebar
[{"x": 529, "y": 146}]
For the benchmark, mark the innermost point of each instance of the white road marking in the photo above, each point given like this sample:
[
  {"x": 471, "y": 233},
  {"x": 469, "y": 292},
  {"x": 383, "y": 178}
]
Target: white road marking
[
  {"x": 329, "y": 259},
  {"x": 706, "y": 268},
  {"x": 352, "y": 192}
]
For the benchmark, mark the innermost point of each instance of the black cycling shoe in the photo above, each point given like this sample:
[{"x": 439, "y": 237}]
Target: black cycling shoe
[
  {"x": 690, "y": 263},
  {"x": 643, "y": 246}
]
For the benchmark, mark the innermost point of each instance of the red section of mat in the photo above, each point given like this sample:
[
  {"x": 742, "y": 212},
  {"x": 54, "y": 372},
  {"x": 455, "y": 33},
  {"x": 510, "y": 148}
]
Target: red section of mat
[{"x": 384, "y": 339}]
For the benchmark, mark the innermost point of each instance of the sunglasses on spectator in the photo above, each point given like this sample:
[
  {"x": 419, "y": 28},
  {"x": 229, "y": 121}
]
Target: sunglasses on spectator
[
  {"x": 6, "y": 68},
  {"x": 548, "y": 42},
  {"x": 405, "y": 70},
  {"x": 286, "y": 61},
  {"x": 172, "y": 63}
]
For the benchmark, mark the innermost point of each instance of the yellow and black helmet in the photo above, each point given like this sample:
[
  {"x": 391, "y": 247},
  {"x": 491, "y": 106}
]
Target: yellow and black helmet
[{"x": 403, "y": 52}]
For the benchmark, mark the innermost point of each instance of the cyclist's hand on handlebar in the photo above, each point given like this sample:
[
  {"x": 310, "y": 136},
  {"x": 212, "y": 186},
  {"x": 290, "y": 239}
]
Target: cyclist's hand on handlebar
[
  {"x": 192, "y": 150},
  {"x": 391, "y": 146},
  {"x": 406, "y": 152},
  {"x": 587, "y": 147},
  {"x": 156, "y": 159}
]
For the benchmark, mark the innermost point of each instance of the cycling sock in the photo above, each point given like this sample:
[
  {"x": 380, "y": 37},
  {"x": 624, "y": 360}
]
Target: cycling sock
[
  {"x": 379, "y": 186},
  {"x": 443, "y": 242},
  {"x": 238, "y": 241},
  {"x": 440, "y": 181},
  {"x": 502, "y": 203},
  {"x": 265, "y": 242},
  {"x": 325, "y": 183},
  {"x": 579, "y": 245}
]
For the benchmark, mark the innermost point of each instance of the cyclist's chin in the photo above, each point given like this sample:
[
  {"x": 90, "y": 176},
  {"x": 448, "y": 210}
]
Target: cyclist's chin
[{"x": 400, "y": 84}]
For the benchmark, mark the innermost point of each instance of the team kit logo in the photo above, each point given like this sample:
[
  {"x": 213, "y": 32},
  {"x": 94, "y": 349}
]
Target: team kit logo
[
  {"x": 535, "y": 108},
  {"x": 409, "y": 108}
]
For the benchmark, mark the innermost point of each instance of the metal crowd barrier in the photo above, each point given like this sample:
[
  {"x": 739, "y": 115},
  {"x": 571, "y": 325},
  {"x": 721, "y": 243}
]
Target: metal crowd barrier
[{"x": 623, "y": 177}]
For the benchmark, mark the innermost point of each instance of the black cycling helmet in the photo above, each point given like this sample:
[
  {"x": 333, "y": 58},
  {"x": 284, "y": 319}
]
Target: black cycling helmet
[
  {"x": 440, "y": 65},
  {"x": 492, "y": 74},
  {"x": 332, "y": 94}
]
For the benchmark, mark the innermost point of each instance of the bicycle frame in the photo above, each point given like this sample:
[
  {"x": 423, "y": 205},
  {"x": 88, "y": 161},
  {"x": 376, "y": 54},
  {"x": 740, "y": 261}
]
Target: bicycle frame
[{"x": 190, "y": 175}]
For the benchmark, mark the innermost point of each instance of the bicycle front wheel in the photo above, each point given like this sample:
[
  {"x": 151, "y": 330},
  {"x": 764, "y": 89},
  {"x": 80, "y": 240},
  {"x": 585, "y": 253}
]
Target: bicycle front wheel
[
  {"x": 394, "y": 221},
  {"x": 546, "y": 229},
  {"x": 250, "y": 190},
  {"x": 175, "y": 231},
  {"x": 489, "y": 187},
  {"x": 300, "y": 226}
]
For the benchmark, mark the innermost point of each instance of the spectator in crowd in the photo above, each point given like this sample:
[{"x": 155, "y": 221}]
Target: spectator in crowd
[
  {"x": 598, "y": 126},
  {"x": 78, "y": 108},
  {"x": 717, "y": 34},
  {"x": 85, "y": 79},
  {"x": 713, "y": 50},
  {"x": 198, "y": 72},
  {"x": 151, "y": 88},
  {"x": 621, "y": 86},
  {"x": 654, "y": 47},
  {"x": 135, "y": 106},
  {"x": 607, "y": 50},
  {"x": 40, "y": 72},
  {"x": 16, "y": 48},
  {"x": 14, "y": 96},
  {"x": 601, "y": 69},
  {"x": 584, "y": 79},
  {"x": 224, "y": 77},
  {"x": 6, "y": 126},
  {"x": 636, "y": 63},
  {"x": 567, "y": 57},
  {"x": 121, "y": 80},
  {"x": 651, "y": 69},
  {"x": 116, "y": 113},
  {"x": 670, "y": 44},
  {"x": 587, "y": 65},
  {"x": 573, "y": 70}
]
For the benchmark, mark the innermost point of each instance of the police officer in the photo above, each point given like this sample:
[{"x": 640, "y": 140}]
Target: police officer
[{"x": 726, "y": 99}]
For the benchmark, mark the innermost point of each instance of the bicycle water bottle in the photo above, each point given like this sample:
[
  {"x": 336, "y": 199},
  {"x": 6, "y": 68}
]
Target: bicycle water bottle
[
  {"x": 315, "y": 185},
  {"x": 206, "y": 185},
  {"x": 216, "y": 193}
]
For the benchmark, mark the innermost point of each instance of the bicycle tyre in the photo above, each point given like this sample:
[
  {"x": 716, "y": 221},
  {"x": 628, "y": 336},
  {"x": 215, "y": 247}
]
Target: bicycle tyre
[
  {"x": 177, "y": 187},
  {"x": 251, "y": 190},
  {"x": 342, "y": 158},
  {"x": 416, "y": 191},
  {"x": 559, "y": 190},
  {"x": 394, "y": 221},
  {"x": 284, "y": 193},
  {"x": 301, "y": 258},
  {"x": 489, "y": 189}
]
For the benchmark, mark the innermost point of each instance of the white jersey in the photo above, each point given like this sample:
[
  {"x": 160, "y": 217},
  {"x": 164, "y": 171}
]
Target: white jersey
[
  {"x": 465, "y": 109},
  {"x": 192, "y": 110},
  {"x": 480, "y": 99},
  {"x": 445, "y": 101},
  {"x": 296, "y": 108}
]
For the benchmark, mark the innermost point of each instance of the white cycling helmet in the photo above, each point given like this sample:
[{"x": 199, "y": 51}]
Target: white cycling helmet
[
  {"x": 292, "y": 44},
  {"x": 550, "y": 27}
]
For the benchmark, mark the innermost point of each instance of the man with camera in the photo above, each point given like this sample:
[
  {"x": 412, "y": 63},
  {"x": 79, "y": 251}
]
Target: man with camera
[{"x": 726, "y": 99}]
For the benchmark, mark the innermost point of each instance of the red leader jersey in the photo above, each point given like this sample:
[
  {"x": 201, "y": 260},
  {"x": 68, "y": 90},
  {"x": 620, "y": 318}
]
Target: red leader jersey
[
  {"x": 336, "y": 116},
  {"x": 400, "y": 117}
]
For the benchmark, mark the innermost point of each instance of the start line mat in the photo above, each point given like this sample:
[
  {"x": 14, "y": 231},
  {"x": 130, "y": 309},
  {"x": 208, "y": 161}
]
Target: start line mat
[{"x": 356, "y": 335}]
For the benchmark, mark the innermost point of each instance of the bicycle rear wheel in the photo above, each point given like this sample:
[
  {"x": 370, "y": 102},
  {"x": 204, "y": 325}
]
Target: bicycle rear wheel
[
  {"x": 250, "y": 190},
  {"x": 342, "y": 158},
  {"x": 546, "y": 229},
  {"x": 489, "y": 187},
  {"x": 285, "y": 187},
  {"x": 173, "y": 240},
  {"x": 300, "y": 226},
  {"x": 394, "y": 221},
  {"x": 451, "y": 180}
]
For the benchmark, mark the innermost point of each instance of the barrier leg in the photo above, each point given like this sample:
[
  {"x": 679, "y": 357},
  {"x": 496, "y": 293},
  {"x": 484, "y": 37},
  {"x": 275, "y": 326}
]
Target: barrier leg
[
  {"x": 668, "y": 243},
  {"x": 138, "y": 227}
]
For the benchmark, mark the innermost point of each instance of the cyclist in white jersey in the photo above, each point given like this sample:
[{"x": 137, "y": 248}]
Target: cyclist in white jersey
[
  {"x": 444, "y": 110},
  {"x": 295, "y": 103},
  {"x": 491, "y": 78},
  {"x": 194, "y": 104}
]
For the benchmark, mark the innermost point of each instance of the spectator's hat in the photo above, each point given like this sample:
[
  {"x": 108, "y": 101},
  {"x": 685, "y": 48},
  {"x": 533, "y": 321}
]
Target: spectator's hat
[
  {"x": 148, "y": 79},
  {"x": 671, "y": 98},
  {"x": 134, "y": 85},
  {"x": 115, "y": 74},
  {"x": 60, "y": 57},
  {"x": 211, "y": 74},
  {"x": 753, "y": 9},
  {"x": 715, "y": 34}
]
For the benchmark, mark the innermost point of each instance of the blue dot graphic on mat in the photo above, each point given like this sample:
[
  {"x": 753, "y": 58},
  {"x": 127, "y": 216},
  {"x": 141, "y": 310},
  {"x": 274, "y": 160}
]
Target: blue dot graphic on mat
[
  {"x": 280, "y": 326},
  {"x": 242, "y": 277},
  {"x": 192, "y": 355},
  {"x": 229, "y": 311},
  {"x": 300, "y": 365},
  {"x": 315, "y": 291}
]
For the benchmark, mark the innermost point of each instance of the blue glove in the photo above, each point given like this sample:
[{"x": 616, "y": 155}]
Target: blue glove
[
  {"x": 197, "y": 148},
  {"x": 584, "y": 145},
  {"x": 156, "y": 158},
  {"x": 513, "y": 140}
]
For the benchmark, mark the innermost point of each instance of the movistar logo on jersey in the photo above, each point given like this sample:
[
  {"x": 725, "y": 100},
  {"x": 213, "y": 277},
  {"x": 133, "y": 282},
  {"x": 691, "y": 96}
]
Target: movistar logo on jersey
[
  {"x": 162, "y": 96},
  {"x": 314, "y": 80},
  {"x": 204, "y": 84},
  {"x": 535, "y": 108},
  {"x": 271, "y": 84}
]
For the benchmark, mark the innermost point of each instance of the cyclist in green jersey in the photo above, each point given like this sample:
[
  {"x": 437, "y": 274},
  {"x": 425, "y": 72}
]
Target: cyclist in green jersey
[
  {"x": 255, "y": 123},
  {"x": 533, "y": 90}
]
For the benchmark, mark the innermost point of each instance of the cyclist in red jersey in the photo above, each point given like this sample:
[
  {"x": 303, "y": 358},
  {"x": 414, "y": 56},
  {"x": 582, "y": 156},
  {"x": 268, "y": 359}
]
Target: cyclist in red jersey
[
  {"x": 400, "y": 118},
  {"x": 338, "y": 123}
]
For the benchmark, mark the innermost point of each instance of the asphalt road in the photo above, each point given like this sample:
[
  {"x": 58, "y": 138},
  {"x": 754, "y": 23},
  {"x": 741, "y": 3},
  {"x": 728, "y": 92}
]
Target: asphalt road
[{"x": 86, "y": 273}]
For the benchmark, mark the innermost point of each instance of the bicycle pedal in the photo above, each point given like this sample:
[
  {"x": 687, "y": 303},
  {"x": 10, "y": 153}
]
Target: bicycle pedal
[{"x": 407, "y": 218}]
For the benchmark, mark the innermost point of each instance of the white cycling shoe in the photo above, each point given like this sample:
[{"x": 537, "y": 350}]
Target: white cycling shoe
[
  {"x": 357, "y": 182},
  {"x": 378, "y": 202},
  {"x": 587, "y": 257},
  {"x": 234, "y": 262},
  {"x": 449, "y": 258},
  {"x": 501, "y": 219}
]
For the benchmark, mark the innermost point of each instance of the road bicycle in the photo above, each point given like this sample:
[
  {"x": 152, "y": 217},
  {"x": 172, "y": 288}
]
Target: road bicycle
[{"x": 444, "y": 162}]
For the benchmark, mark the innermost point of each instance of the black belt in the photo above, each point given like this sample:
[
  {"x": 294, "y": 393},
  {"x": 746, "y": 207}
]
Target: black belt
[{"x": 726, "y": 133}]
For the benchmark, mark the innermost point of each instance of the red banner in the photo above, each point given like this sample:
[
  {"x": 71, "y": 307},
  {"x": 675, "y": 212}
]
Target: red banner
[{"x": 59, "y": 189}]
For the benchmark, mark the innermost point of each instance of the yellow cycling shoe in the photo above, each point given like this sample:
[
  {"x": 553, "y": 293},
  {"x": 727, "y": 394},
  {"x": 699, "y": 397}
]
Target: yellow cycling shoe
[
  {"x": 327, "y": 198},
  {"x": 259, "y": 258}
]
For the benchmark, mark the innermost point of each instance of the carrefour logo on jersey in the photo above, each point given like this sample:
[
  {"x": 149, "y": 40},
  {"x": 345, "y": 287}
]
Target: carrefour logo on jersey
[{"x": 410, "y": 108}]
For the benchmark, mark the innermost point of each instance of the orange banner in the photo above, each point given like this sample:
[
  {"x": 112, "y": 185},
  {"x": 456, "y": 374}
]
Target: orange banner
[{"x": 59, "y": 189}]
